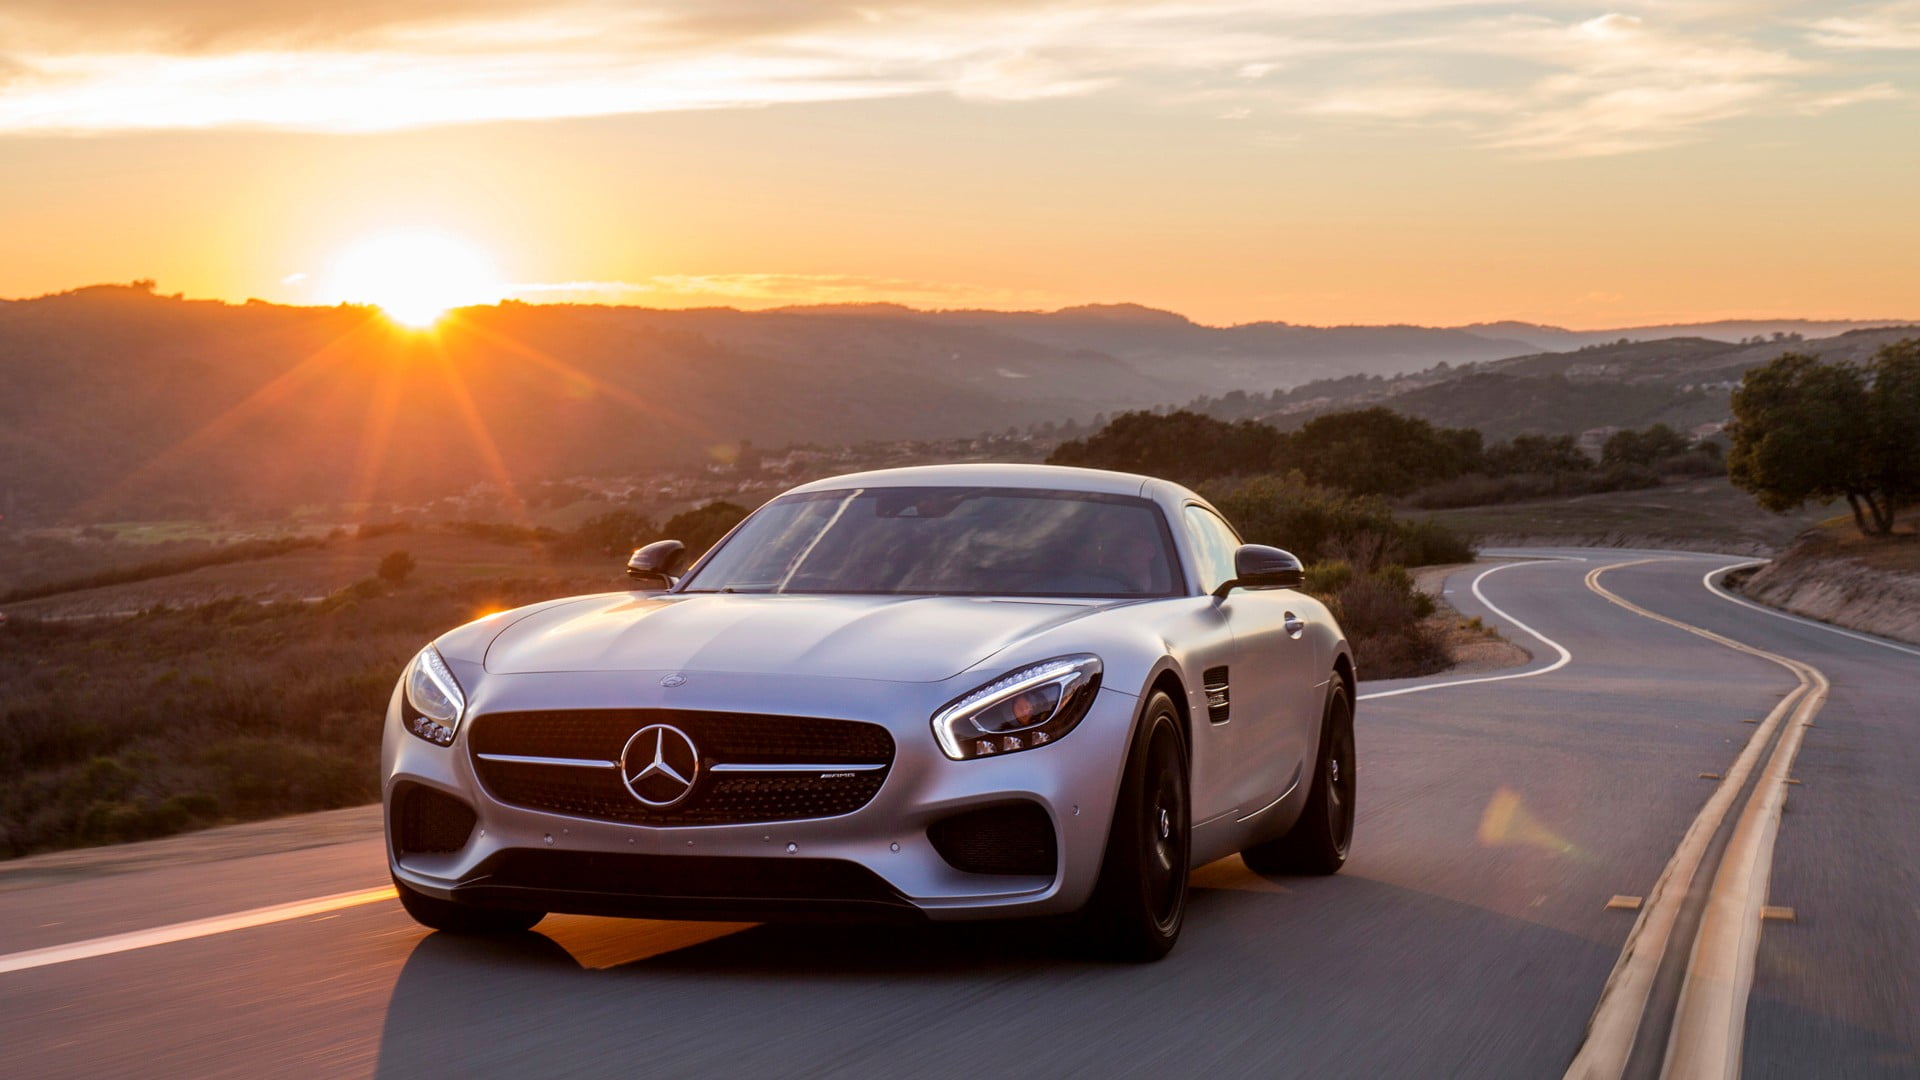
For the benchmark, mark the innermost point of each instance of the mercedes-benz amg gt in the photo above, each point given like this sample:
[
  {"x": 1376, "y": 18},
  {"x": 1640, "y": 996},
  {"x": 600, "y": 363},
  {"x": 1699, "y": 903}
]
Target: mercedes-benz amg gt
[{"x": 951, "y": 692}]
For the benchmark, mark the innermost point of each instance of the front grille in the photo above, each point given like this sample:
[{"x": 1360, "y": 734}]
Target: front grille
[
  {"x": 752, "y": 749},
  {"x": 427, "y": 822},
  {"x": 1015, "y": 838}
]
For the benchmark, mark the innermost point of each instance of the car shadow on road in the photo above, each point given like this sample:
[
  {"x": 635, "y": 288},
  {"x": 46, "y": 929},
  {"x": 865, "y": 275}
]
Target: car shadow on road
[{"x": 1327, "y": 976}]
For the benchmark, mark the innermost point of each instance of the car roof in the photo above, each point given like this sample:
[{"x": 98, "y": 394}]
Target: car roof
[{"x": 1049, "y": 477}]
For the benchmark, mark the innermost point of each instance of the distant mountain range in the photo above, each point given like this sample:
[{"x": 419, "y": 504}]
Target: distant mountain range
[
  {"x": 115, "y": 401},
  {"x": 1683, "y": 382}
]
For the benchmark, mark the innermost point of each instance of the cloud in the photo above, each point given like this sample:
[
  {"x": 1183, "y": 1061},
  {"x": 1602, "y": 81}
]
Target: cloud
[
  {"x": 1881, "y": 27},
  {"x": 1611, "y": 84},
  {"x": 1539, "y": 79}
]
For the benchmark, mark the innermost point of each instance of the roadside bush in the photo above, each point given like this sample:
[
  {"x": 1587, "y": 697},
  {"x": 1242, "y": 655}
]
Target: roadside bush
[
  {"x": 1385, "y": 618},
  {"x": 1317, "y": 524}
]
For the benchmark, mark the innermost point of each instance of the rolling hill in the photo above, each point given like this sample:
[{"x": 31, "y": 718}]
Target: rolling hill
[{"x": 116, "y": 402}]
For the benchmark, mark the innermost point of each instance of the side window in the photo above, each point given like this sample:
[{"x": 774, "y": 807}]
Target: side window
[{"x": 1213, "y": 545}]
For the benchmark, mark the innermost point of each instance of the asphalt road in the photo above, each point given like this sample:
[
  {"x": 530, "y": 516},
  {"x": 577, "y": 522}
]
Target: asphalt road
[{"x": 1470, "y": 935}]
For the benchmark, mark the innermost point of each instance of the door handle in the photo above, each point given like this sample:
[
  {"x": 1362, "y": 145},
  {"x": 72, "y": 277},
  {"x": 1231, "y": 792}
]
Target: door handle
[{"x": 1293, "y": 624}]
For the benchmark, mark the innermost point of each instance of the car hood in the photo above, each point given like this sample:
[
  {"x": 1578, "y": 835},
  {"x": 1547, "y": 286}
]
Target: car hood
[{"x": 903, "y": 639}]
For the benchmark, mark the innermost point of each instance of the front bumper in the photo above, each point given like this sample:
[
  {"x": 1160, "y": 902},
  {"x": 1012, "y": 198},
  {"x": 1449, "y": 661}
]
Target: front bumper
[{"x": 877, "y": 862}]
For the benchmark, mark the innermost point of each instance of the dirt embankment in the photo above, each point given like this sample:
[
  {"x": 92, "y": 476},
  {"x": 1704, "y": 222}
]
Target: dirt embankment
[
  {"x": 1814, "y": 580},
  {"x": 1472, "y": 646}
]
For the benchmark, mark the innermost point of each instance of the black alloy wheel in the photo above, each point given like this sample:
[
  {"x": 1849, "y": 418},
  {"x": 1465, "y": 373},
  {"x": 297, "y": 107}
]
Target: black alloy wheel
[
  {"x": 1140, "y": 901},
  {"x": 1319, "y": 841}
]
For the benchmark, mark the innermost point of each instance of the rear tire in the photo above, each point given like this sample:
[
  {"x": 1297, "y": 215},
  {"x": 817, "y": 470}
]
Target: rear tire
[
  {"x": 455, "y": 918},
  {"x": 1140, "y": 901},
  {"x": 1318, "y": 843}
]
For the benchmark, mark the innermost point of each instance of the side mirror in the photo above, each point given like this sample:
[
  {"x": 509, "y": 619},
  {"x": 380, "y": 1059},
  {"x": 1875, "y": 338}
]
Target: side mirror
[
  {"x": 1257, "y": 566},
  {"x": 656, "y": 565}
]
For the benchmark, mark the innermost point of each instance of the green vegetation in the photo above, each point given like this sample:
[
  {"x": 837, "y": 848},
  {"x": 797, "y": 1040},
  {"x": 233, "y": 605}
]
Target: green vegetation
[
  {"x": 619, "y": 532},
  {"x": 118, "y": 729},
  {"x": 1357, "y": 553},
  {"x": 1321, "y": 525},
  {"x": 1318, "y": 493},
  {"x": 1810, "y": 430},
  {"x": 1379, "y": 451},
  {"x": 395, "y": 567},
  {"x": 245, "y": 551}
]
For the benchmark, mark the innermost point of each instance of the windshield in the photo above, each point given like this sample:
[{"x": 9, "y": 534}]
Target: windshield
[{"x": 947, "y": 541}]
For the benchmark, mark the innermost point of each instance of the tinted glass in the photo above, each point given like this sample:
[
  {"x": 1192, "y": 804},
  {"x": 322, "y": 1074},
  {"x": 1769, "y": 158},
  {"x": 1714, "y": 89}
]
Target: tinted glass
[
  {"x": 947, "y": 541},
  {"x": 1213, "y": 547}
]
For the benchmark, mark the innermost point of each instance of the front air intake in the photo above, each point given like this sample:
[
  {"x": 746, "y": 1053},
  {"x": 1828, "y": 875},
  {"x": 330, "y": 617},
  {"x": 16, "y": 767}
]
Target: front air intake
[
  {"x": 429, "y": 822},
  {"x": 1013, "y": 838}
]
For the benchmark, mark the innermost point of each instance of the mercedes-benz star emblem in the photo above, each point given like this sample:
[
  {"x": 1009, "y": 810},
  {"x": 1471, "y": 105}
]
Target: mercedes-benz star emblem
[
  {"x": 673, "y": 680},
  {"x": 659, "y": 765}
]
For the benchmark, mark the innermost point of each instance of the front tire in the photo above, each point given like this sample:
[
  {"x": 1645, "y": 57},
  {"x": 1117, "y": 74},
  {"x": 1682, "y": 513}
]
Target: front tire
[
  {"x": 436, "y": 914},
  {"x": 1318, "y": 843},
  {"x": 1140, "y": 901}
]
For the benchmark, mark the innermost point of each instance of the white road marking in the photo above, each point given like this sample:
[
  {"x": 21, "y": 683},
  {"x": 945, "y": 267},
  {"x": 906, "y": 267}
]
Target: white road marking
[
  {"x": 187, "y": 931},
  {"x": 1717, "y": 589},
  {"x": 1565, "y": 656}
]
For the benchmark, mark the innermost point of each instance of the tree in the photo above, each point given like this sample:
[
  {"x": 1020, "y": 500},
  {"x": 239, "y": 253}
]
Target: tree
[
  {"x": 616, "y": 532},
  {"x": 395, "y": 567},
  {"x": 1182, "y": 445},
  {"x": 1805, "y": 430},
  {"x": 1630, "y": 447},
  {"x": 703, "y": 527},
  {"x": 1895, "y": 405},
  {"x": 1378, "y": 451},
  {"x": 1551, "y": 454}
]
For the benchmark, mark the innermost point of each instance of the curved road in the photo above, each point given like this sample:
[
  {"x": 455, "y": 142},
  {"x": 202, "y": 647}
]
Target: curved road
[{"x": 1476, "y": 932}]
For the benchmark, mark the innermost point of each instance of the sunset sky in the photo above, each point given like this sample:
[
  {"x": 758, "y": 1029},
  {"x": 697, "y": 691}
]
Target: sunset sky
[{"x": 1421, "y": 161}]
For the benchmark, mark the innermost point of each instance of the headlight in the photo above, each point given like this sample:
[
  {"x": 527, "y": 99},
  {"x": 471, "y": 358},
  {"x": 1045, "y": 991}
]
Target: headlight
[
  {"x": 434, "y": 701},
  {"x": 1020, "y": 710}
]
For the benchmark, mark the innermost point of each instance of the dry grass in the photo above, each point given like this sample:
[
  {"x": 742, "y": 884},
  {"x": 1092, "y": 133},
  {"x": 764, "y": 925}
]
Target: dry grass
[
  {"x": 1707, "y": 514},
  {"x": 115, "y": 729}
]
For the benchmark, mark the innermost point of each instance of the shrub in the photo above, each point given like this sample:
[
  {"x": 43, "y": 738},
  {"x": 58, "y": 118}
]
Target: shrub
[
  {"x": 225, "y": 711},
  {"x": 702, "y": 528},
  {"x": 395, "y": 567},
  {"x": 1317, "y": 524},
  {"x": 616, "y": 532},
  {"x": 1385, "y": 619}
]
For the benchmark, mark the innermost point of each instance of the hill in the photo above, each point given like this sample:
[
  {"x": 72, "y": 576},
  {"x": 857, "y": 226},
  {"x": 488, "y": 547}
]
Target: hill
[
  {"x": 1683, "y": 382},
  {"x": 121, "y": 402}
]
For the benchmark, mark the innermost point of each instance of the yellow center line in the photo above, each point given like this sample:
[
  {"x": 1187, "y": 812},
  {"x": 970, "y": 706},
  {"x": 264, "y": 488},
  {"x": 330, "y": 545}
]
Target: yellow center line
[
  {"x": 187, "y": 931},
  {"x": 1710, "y": 1019}
]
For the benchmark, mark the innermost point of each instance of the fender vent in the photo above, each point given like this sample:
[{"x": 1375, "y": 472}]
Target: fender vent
[
  {"x": 1218, "y": 701},
  {"x": 1014, "y": 838}
]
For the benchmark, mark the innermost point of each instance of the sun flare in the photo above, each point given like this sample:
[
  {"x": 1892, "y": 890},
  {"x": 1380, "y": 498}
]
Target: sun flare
[{"x": 415, "y": 276}]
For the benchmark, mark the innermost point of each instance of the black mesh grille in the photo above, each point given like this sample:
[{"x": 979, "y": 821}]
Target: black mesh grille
[
  {"x": 682, "y": 876},
  {"x": 1016, "y": 838},
  {"x": 427, "y": 822},
  {"x": 718, "y": 798}
]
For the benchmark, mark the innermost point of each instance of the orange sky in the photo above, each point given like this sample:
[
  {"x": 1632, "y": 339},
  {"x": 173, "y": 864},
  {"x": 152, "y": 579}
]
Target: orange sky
[{"x": 1402, "y": 161}]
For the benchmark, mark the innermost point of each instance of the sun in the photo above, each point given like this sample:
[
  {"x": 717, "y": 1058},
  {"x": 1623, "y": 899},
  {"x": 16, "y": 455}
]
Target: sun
[{"x": 414, "y": 276}]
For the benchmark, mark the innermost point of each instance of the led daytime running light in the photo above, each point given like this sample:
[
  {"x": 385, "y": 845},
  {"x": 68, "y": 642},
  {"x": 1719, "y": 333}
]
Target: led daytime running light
[{"x": 1075, "y": 676}]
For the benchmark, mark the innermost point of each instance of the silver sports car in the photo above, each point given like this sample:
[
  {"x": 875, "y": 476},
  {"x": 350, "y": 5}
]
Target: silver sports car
[{"x": 953, "y": 692}]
